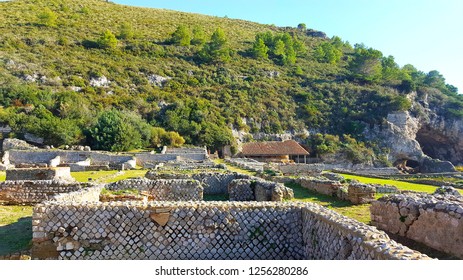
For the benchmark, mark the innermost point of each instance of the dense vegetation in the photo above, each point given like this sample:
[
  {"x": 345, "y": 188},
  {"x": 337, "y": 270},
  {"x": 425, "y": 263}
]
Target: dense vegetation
[{"x": 88, "y": 71}]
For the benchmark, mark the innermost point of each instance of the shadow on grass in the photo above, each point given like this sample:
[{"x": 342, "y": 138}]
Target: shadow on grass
[
  {"x": 302, "y": 194},
  {"x": 16, "y": 237},
  {"x": 216, "y": 197}
]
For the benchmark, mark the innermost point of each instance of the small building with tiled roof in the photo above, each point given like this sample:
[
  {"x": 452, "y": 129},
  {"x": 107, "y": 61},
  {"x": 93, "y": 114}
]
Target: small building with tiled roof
[{"x": 274, "y": 151}]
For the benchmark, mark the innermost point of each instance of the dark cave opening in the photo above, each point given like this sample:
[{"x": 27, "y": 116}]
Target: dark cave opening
[{"x": 435, "y": 144}]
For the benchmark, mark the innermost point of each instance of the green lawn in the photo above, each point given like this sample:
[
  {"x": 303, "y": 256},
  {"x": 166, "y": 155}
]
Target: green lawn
[
  {"x": 107, "y": 176},
  {"x": 399, "y": 184},
  {"x": 360, "y": 213},
  {"x": 234, "y": 168},
  {"x": 15, "y": 228}
]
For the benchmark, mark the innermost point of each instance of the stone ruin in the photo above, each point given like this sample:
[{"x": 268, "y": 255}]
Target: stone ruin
[
  {"x": 91, "y": 230},
  {"x": 162, "y": 189},
  {"x": 57, "y": 173},
  {"x": 434, "y": 220},
  {"x": 238, "y": 187},
  {"x": 354, "y": 192}
]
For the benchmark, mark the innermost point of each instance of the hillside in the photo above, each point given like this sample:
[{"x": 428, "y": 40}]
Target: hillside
[{"x": 66, "y": 63}]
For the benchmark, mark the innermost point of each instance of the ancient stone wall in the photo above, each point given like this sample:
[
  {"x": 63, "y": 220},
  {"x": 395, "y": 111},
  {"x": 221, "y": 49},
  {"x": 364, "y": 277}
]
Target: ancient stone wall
[
  {"x": 86, "y": 195},
  {"x": 56, "y": 173},
  {"x": 201, "y": 230},
  {"x": 168, "y": 231},
  {"x": 330, "y": 236},
  {"x": 298, "y": 169},
  {"x": 147, "y": 158},
  {"x": 216, "y": 182},
  {"x": 326, "y": 187},
  {"x": 258, "y": 190},
  {"x": 213, "y": 182},
  {"x": 358, "y": 193},
  {"x": 163, "y": 190},
  {"x": 434, "y": 220},
  {"x": 67, "y": 157},
  {"x": 32, "y": 192}
]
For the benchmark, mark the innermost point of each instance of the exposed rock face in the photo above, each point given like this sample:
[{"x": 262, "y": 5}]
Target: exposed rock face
[
  {"x": 422, "y": 138},
  {"x": 16, "y": 144},
  {"x": 157, "y": 80},
  {"x": 100, "y": 82}
]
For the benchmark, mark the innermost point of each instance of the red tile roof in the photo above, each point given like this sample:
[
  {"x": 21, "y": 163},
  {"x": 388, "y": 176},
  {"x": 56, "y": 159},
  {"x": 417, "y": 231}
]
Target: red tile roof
[{"x": 288, "y": 147}]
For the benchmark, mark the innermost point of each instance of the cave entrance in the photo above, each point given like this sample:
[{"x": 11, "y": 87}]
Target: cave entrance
[
  {"x": 435, "y": 144},
  {"x": 407, "y": 165}
]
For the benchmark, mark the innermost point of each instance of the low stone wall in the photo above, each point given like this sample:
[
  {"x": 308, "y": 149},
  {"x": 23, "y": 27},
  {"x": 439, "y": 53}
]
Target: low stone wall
[
  {"x": 56, "y": 173},
  {"x": 32, "y": 192},
  {"x": 213, "y": 182},
  {"x": 298, "y": 169},
  {"x": 330, "y": 236},
  {"x": 358, "y": 193},
  {"x": 87, "y": 195},
  {"x": 217, "y": 183},
  {"x": 67, "y": 157},
  {"x": 163, "y": 190},
  {"x": 205, "y": 231},
  {"x": 327, "y": 187},
  {"x": 252, "y": 190},
  {"x": 433, "y": 220},
  {"x": 246, "y": 163},
  {"x": 149, "y": 159}
]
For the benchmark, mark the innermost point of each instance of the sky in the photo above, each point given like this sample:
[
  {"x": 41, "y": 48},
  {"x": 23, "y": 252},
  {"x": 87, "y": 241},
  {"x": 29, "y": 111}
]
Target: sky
[{"x": 425, "y": 33}]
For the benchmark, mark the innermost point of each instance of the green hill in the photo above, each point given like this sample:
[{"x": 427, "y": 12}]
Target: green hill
[{"x": 63, "y": 63}]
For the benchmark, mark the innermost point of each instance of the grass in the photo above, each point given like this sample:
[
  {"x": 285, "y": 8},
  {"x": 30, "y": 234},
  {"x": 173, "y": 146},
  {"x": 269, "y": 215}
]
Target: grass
[
  {"x": 216, "y": 197},
  {"x": 399, "y": 184},
  {"x": 107, "y": 176},
  {"x": 93, "y": 175},
  {"x": 2, "y": 176},
  {"x": 234, "y": 168},
  {"x": 15, "y": 228},
  {"x": 360, "y": 213}
]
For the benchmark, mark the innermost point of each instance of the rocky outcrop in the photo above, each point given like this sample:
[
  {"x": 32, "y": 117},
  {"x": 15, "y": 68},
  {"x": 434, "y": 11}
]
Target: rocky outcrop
[
  {"x": 422, "y": 140},
  {"x": 16, "y": 144}
]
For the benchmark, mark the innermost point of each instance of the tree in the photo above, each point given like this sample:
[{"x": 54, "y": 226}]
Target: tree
[
  {"x": 216, "y": 50},
  {"x": 199, "y": 37},
  {"x": 302, "y": 26},
  {"x": 259, "y": 49},
  {"x": 327, "y": 52},
  {"x": 126, "y": 31},
  {"x": 116, "y": 131},
  {"x": 280, "y": 51},
  {"x": 47, "y": 18},
  {"x": 390, "y": 69},
  {"x": 435, "y": 79},
  {"x": 107, "y": 40},
  {"x": 366, "y": 64},
  {"x": 181, "y": 36}
]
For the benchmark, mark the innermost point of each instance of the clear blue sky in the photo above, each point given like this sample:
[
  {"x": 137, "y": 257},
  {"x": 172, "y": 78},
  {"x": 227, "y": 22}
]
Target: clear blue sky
[{"x": 425, "y": 33}]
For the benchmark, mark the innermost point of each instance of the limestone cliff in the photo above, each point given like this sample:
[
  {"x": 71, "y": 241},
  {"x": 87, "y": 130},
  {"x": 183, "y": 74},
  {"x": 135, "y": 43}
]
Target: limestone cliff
[{"x": 421, "y": 135}]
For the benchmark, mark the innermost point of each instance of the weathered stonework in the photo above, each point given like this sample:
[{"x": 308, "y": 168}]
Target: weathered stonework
[
  {"x": 360, "y": 193},
  {"x": 327, "y": 187},
  {"x": 163, "y": 190},
  {"x": 434, "y": 220},
  {"x": 56, "y": 173},
  {"x": 258, "y": 190},
  {"x": 201, "y": 230},
  {"x": 32, "y": 192}
]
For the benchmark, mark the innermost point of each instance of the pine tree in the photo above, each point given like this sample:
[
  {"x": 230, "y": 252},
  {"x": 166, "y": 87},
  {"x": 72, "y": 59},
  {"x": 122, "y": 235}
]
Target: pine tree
[
  {"x": 259, "y": 49},
  {"x": 107, "y": 40},
  {"x": 199, "y": 37},
  {"x": 181, "y": 36}
]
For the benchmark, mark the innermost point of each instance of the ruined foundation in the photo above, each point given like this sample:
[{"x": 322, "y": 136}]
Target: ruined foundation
[
  {"x": 69, "y": 229},
  {"x": 434, "y": 220}
]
